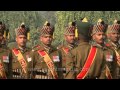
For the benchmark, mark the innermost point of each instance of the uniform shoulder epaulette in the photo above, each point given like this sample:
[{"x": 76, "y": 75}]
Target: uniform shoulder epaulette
[
  {"x": 108, "y": 46},
  {"x": 35, "y": 48}
]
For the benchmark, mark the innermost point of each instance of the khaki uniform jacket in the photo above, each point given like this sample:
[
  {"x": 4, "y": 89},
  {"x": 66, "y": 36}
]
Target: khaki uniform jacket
[
  {"x": 109, "y": 56},
  {"x": 114, "y": 47},
  {"x": 18, "y": 72},
  {"x": 77, "y": 58},
  {"x": 41, "y": 70},
  {"x": 65, "y": 49}
]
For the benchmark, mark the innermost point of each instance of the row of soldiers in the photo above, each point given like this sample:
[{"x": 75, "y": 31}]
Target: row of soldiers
[{"x": 89, "y": 52}]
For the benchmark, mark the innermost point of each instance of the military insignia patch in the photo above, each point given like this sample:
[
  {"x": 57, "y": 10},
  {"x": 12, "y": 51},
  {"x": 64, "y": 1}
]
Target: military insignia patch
[
  {"x": 6, "y": 59},
  {"x": 28, "y": 58},
  {"x": 56, "y": 59},
  {"x": 109, "y": 58}
]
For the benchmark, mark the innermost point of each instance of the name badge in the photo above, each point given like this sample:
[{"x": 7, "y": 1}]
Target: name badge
[
  {"x": 29, "y": 59},
  {"x": 109, "y": 58},
  {"x": 6, "y": 59},
  {"x": 56, "y": 59}
]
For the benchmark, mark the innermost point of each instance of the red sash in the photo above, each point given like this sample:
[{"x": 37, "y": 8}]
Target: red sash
[
  {"x": 88, "y": 63},
  {"x": 21, "y": 59}
]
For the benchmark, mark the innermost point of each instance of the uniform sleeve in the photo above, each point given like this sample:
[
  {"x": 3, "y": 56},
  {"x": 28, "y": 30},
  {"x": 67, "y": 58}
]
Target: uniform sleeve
[
  {"x": 70, "y": 65},
  {"x": 112, "y": 65}
]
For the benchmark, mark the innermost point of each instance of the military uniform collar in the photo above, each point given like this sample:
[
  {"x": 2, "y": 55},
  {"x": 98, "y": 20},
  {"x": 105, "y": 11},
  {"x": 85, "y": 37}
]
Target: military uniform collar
[
  {"x": 46, "y": 48},
  {"x": 93, "y": 43},
  {"x": 112, "y": 44},
  {"x": 68, "y": 45},
  {"x": 83, "y": 43},
  {"x": 21, "y": 49}
]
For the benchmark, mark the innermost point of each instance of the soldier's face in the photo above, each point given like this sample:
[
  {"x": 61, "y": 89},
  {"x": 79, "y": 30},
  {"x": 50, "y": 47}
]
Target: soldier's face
[
  {"x": 70, "y": 38},
  {"x": 46, "y": 39},
  {"x": 21, "y": 40},
  {"x": 99, "y": 37},
  {"x": 114, "y": 37}
]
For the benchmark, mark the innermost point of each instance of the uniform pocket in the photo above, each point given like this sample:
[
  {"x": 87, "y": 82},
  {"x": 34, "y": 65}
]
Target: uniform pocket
[
  {"x": 15, "y": 64},
  {"x": 40, "y": 63}
]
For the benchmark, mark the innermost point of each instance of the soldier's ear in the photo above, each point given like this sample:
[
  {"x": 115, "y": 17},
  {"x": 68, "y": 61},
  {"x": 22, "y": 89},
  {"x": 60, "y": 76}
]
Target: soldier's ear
[
  {"x": 93, "y": 37},
  {"x": 65, "y": 37},
  {"x": 16, "y": 39},
  {"x": 40, "y": 38}
]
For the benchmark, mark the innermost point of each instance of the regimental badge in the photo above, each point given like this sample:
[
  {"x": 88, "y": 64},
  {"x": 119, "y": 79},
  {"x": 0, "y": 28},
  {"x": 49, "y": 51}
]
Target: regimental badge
[
  {"x": 28, "y": 58},
  {"x": 6, "y": 59},
  {"x": 56, "y": 59},
  {"x": 109, "y": 58}
]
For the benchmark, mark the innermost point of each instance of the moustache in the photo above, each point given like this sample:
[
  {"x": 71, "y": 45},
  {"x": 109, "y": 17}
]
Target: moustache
[{"x": 102, "y": 39}]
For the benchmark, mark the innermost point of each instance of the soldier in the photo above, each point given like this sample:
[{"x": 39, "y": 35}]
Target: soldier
[
  {"x": 85, "y": 61},
  {"x": 47, "y": 60},
  {"x": 98, "y": 36},
  {"x": 113, "y": 32},
  {"x": 22, "y": 63},
  {"x": 5, "y": 58},
  {"x": 70, "y": 43}
]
